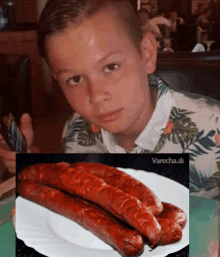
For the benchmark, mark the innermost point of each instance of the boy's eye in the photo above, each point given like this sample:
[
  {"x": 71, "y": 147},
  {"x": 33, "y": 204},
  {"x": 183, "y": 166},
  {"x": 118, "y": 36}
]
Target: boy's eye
[
  {"x": 111, "y": 67},
  {"x": 74, "y": 81}
]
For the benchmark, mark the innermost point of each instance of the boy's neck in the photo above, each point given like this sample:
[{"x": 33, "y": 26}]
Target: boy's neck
[{"x": 127, "y": 140}]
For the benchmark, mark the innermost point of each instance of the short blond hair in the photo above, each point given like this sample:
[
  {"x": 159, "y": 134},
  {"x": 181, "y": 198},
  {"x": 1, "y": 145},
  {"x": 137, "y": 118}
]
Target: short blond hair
[{"x": 58, "y": 14}]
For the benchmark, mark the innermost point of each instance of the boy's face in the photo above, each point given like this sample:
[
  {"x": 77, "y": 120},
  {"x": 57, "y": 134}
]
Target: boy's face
[{"x": 102, "y": 73}]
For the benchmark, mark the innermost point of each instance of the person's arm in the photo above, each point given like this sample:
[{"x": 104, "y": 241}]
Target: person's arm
[
  {"x": 150, "y": 27},
  {"x": 158, "y": 34},
  {"x": 167, "y": 23}
]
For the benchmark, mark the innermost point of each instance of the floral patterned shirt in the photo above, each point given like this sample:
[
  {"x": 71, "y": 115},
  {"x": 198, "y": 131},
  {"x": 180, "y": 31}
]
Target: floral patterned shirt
[{"x": 182, "y": 122}]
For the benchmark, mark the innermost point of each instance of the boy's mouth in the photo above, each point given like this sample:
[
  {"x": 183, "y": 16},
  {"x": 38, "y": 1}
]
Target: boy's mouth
[{"x": 110, "y": 116}]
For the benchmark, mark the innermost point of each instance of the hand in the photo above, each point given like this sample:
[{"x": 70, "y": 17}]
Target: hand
[
  {"x": 9, "y": 157},
  {"x": 27, "y": 130}
]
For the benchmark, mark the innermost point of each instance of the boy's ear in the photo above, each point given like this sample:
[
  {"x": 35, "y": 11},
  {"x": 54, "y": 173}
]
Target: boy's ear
[{"x": 149, "y": 52}]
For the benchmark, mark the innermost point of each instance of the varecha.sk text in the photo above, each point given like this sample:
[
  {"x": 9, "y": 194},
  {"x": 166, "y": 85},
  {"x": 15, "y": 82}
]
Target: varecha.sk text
[{"x": 168, "y": 160}]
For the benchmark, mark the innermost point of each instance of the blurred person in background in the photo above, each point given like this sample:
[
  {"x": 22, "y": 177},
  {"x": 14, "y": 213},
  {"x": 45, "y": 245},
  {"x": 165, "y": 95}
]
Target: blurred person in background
[
  {"x": 203, "y": 20},
  {"x": 198, "y": 12},
  {"x": 147, "y": 25},
  {"x": 175, "y": 20},
  {"x": 160, "y": 19}
]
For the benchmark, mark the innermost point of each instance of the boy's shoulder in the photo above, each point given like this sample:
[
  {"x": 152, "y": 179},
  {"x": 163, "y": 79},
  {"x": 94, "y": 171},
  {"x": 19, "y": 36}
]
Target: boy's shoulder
[
  {"x": 196, "y": 102},
  {"x": 204, "y": 111},
  {"x": 183, "y": 99}
]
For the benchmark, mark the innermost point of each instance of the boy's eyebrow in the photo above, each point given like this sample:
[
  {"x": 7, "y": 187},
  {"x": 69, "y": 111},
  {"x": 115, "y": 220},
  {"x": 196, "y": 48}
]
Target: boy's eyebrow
[
  {"x": 99, "y": 61},
  {"x": 62, "y": 71},
  {"x": 109, "y": 54}
]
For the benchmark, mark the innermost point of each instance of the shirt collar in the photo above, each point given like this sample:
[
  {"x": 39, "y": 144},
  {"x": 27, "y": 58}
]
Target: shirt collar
[{"x": 152, "y": 132}]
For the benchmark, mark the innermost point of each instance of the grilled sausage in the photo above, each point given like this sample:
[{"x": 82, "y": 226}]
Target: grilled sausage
[
  {"x": 128, "y": 242},
  {"x": 122, "y": 205},
  {"x": 125, "y": 182},
  {"x": 171, "y": 232},
  {"x": 170, "y": 219},
  {"x": 173, "y": 213}
]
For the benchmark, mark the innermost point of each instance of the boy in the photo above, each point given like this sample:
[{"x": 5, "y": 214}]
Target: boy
[{"x": 100, "y": 58}]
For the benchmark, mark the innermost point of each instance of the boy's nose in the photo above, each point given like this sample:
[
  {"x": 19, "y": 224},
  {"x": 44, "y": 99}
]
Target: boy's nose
[{"x": 99, "y": 93}]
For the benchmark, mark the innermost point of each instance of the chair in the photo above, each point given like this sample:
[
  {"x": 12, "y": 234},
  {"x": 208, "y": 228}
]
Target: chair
[
  {"x": 15, "y": 83},
  {"x": 200, "y": 76}
]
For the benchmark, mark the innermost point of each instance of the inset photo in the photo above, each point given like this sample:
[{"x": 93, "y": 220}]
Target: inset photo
[{"x": 102, "y": 205}]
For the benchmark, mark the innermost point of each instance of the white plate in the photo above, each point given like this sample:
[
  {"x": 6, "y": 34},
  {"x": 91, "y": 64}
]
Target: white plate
[{"x": 56, "y": 236}]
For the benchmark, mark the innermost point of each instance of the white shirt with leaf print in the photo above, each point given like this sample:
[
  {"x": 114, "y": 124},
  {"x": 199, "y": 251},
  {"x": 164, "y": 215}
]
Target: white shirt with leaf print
[{"x": 182, "y": 122}]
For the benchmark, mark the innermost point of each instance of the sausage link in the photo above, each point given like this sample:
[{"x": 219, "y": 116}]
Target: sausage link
[
  {"x": 57, "y": 169},
  {"x": 173, "y": 213},
  {"x": 125, "y": 182},
  {"x": 171, "y": 232},
  {"x": 128, "y": 242},
  {"x": 124, "y": 206}
]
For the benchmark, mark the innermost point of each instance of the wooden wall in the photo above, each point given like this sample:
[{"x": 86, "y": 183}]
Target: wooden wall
[
  {"x": 25, "y": 10},
  {"x": 181, "y": 6}
]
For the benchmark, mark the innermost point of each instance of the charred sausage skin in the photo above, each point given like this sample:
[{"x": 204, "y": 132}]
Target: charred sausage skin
[
  {"x": 128, "y": 242},
  {"x": 171, "y": 232},
  {"x": 170, "y": 217},
  {"x": 125, "y": 182},
  {"x": 122, "y": 205},
  {"x": 173, "y": 213}
]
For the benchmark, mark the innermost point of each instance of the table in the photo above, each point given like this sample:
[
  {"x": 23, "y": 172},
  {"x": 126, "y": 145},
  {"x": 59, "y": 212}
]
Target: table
[
  {"x": 175, "y": 172},
  {"x": 7, "y": 234},
  {"x": 7, "y": 240}
]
